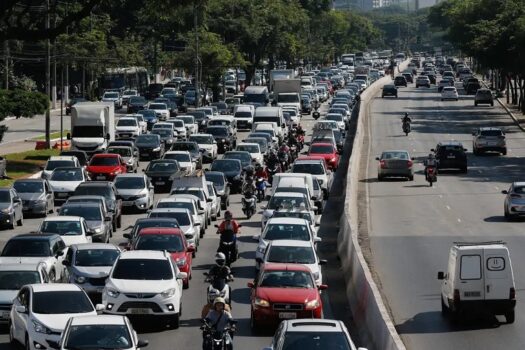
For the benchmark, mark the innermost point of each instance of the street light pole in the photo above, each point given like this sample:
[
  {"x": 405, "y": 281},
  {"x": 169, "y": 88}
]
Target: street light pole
[
  {"x": 62, "y": 109},
  {"x": 197, "y": 81},
  {"x": 48, "y": 77}
]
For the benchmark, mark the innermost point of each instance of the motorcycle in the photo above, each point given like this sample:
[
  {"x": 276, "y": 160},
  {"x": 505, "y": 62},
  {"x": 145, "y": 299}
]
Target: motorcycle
[
  {"x": 272, "y": 171},
  {"x": 316, "y": 115},
  {"x": 217, "y": 340},
  {"x": 283, "y": 160},
  {"x": 260, "y": 184},
  {"x": 218, "y": 287},
  {"x": 228, "y": 246},
  {"x": 248, "y": 204},
  {"x": 406, "y": 127},
  {"x": 430, "y": 174},
  {"x": 300, "y": 140}
]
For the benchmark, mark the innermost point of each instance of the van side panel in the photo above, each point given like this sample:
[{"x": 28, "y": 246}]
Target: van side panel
[{"x": 471, "y": 276}]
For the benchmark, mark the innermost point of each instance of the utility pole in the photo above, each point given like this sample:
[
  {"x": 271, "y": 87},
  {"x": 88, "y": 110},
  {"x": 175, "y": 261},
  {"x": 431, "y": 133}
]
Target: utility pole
[
  {"x": 65, "y": 91},
  {"x": 54, "y": 87},
  {"x": 6, "y": 64},
  {"x": 197, "y": 82},
  {"x": 48, "y": 78}
]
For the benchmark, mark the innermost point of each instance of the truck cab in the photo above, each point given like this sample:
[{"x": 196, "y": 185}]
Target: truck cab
[{"x": 92, "y": 126}]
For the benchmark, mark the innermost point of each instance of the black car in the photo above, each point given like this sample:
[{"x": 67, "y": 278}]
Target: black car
[
  {"x": 137, "y": 103},
  {"x": 451, "y": 155},
  {"x": 268, "y": 137},
  {"x": 107, "y": 190},
  {"x": 150, "y": 146},
  {"x": 431, "y": 77},
  {"x": 222, "y": 107},
  {"x": 82, "y": 156},
  {"x": 472, "y": 87},
  {"x": 162, "y": 172},
  {"x": 72, "y": 102},
  {"x": 193, "y": 148},
  {"x": 389, "y": 90},
  {"x": 244, "y": 157},
  {"x": 306, "y": 105},
  {"x": 226, "y": 140},
  {"x": 400, "y": 81},
  {"x": 166, "y": 136},
  {"x": 232, "y": 170},
  {"x": 154, "y": 91},
  {"x": 200, "y": 119},
  {"x": 409, "y": 78},
  {"x": 221, "y": 185}
]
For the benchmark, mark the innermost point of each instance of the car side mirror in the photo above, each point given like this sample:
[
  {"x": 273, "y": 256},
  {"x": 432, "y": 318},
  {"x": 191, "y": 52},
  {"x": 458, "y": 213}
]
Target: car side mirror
[
  {"x": 441, "y": 275},
  {"x": 21, "y": 309},
  {"x": 250, "y": 285},
  {"x": 182, "y": 275},
  {"x": 505, "y": 192},
  {"x": 142, "y": 343},
  {"x": 90, "y": 233},
  {"x": 108, "y": 136},
  {"x": 432, "y": 150},
  {"x": 100, "y": 307},
  {"x": 127, "y": 235},
  {"x": 66, "y": 263},
  {"x": 322, "y": 262},
  {"x": 216, "y": 225},
  {"x": 318, "y": 239}
]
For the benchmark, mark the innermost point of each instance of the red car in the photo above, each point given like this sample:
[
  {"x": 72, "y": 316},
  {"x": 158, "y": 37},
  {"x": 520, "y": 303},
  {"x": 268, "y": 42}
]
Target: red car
[
  {"x": 171, "y": 240},
  {"x": 327, "y": 151},
  {"x": 105, "y": 166},
  {"x": 284, "y": 291}
]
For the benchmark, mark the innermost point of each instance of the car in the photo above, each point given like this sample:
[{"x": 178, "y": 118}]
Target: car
[
  {"x": 445, "y": 82},
  {"x": 339, "y": 118},
  {"x": 171, "y": 240},
  {"x": 36, "y": 195},
  {"x": 317, "y": 167},
  {"x": 125, "y": 143},
  {"x": 136, "y": 104},
  {"x": 243, "y": 156},
  {"x": 166, "y": 137},
  {"x": 72, "y": 229},
  {"x": 161, "y": 110},
  {"x": 298, "y": 213},
  {"x": 11, "y": 208},
  {"x": 110, "y": 332},
  {"x": 422, "y": 80},
  {"x": 64, "y": 181},
  {"x": 201, "y": 118},
  {"x": 135, "y": 190},
  {"x": 301, "y": 333},
  {"x": 127, "y": 127},
  {"x": 58, "y": 162},
  {"x": 207, "y": 146},
  {"x": 149, "y": 116},
  {"x": 287, "y": 251},
  {"x": 472, "y": 87},
  {"x": 489, "y": 139},
  {"x": 107, "y": 190},
  {"x": 113, "y": 96},
  {"x": 389, "y": 90},
  {"x": 222, "y": 186},
  {"x": 180, "y": 128},
  {"x": 483, "y": 96},
  {"x": 105, "y": 166},
  {"x": 400, "y": 80},
  {"x": 193, "y": 148},
  {"x": 15, "y": 276},
  {"x": 222, "y": 107},
  {"x": 91, "y": 199},
  {"x": 395, "y": 163},
  {"x": 232, "y": 170},
  {"x": 514, "y": 204},
  {"x": 88, "y": 266},
  {"x": 449, "y": 74},
  {"x": 284, "y": 291},
  {"x": 97, "y": 223},
  {"x": 145, "y": 283},
  {"x": 127, "y": 94},
  {"x": 185, "y": 202},
  {"x": 130, "y": 157},
  {"x": 142, "y": 122},
  {"x": 285, "y": 200},
  {"x": 451, "y": 155},
  {"x": 215, "y": 201},
  {"x": 189, "y": 123},
  {"x": 35, "y": 248},
  {"x": 431, "y": 76},
  {"x": 165, "y": 126},
  {"x": 253, "y": 149},
  {"x": 150, "y": 146},
  {"x": 81, "y": 156},
  {"x": 326, "y": 150},
  {"x": 148, "y": 222},
  {"x": 449, "y": 93},
  {"x": 162, "y": 173},
  {"x": 40, "y": 313},
  {"x": 224, "y": 137},
  {"x": 408, "y": 76},
  {"x": 184, "y": 217},
  {"x": 184, "y": 160}
]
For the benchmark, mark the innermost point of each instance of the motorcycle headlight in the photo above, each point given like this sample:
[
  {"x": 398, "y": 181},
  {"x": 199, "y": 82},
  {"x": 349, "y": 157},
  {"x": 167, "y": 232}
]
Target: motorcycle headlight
[
  {"x": 168, "y": 293},
  {"x": 312, "y": 304},
  {"x": 80, "y": 279},
  {"x": 261, "y": 302},
  {"x": 112, "y": 293},
  {"x": 40, "y": 328}
]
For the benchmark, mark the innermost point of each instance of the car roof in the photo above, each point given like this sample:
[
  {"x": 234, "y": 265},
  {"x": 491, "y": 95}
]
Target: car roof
[
  {"x": 98, "y": 320},
  {"x": 450, "y": 143},
  {"x": 78, "y": 204},
  {"x": 105, "y": 155},
  {"x": 23, "y": 266},
  {"x": 170, "y": 210},
  {"x": 160, "y": 231},
  {"x": 292, "y": 221},
  {"x": 35, "y": 236},
  {"x": 141, "y": 176},
  {"x": 30, "y": 180},
  {"x": 62, "y": 158},
  {"x": 490, "y": 128},
  {"x": 87, "y": 196},
  {"x": 318, "y": 325},
  {"x": 62, "y": 218},
  {"x": 288, "y": 267},
  {"x": 177, "y": 152},
  {"x": 96, "y": 183},
  {"x": 102, "y": 246},
  {"x": 143, "y": 254},
  {"x": 289, "y": 194},
  {"x": 290, "y": 243},
  {"x": 54, "y": 287}
]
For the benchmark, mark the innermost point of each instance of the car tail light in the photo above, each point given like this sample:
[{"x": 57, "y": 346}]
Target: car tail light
[
  {"x": 512, "y": 294},
  {"x": 457, "y": 297},
  {"x": 410, "y": 163},
  {"x": 382, "y": 163}
]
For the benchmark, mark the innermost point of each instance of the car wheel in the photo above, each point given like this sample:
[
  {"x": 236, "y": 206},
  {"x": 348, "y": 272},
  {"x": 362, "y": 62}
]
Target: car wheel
[
  {"x": 411, "y": 178},
  {"x": 119, "y": 221},
  {"x": 174, "y": 321},
  {"x": 379, "y": 178},
  {"x": 509, "y": 316},
  {"x": 504, "y": 152}
]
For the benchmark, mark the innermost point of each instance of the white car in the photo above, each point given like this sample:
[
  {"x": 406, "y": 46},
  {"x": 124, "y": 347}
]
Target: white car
[
  {"x": 59, "y": 162},
  {"x": 64, "y": 181},
  {"x": 166, "y": 126},
  {"x": 72, "y": 229},
  {"x": 294, "y": 252},
  {"x": 135, "y": 190},
  {"x": 338, "y": 118},
  {"x": 215, "y": 201},
  {"x": 127, "y": 94},
  {"x": 189, "y": 123},
  {"x": 142, "y": 122},
  {"x": 200, "y": 194},
  {"x": 161, "y": 110},
  {"x": 284, "y": 200},
  {"x": 190, "y": 228},
  {"x": 40, "y": 313},
  {"x": 201, "y": 208},
  {"x": 184, "y": 159},
  {"x": 317, "y": 168},
  {"x": 145, "y": 282},
  {"x": 295, "y": 116},
  {"x": 127, "y": 127},
  {"x": 254, "y": 149},
  {"x": 207, "y": 145},
  {"x": 113, "y": 96},
  {"x": 102, "y": 331},
  {"x": 283, "y": 228},
  {"x": 184, "y": 202},
  {"x": 449, "y": 93},
  {"x": 180, "y": 128}
]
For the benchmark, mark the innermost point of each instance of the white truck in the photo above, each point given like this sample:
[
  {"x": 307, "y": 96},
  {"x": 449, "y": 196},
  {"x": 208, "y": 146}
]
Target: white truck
[
  {"x": 276, "y": 74},
  {"x": 92, "y": 126},
  {"x": 287, "y": 93}
]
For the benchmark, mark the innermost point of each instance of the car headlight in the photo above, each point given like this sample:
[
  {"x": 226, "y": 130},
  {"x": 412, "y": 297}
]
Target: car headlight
[
  {"x": 130, "y": 161},
  {"x": 312, "y": 304},
  {"x": 98, "y": 230},
  {"x": 181, "y": 262},
  {"x": 261, "y": 302},
  {"x": 154, "y": 120},
  {"x": 168, "y": 293},
  {"x": 112, "y": 293},
  {"x": 80, "y": 279},
  {"x": 6, "y": 210},
  {"x": 40, "y": 328},
  {"x": 156, "y": 149}
]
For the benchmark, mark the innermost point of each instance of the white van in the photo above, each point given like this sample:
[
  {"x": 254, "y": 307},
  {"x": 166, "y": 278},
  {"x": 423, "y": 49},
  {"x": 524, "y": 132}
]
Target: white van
[
  {"x": 293, "y": 184},
  {"x": 272, "y": 115},
  {"x": 307, "y": 179},
  {"x": 479, "y": 275},
  {"x": 244, "y": 115}
]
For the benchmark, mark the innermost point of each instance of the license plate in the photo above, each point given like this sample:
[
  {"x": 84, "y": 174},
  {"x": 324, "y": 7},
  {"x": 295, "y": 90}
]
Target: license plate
[
  {"x": 127, "y": 203},
  {"x": 62, "y": 195},
  {"x": 472, "y": 294},
  {"x": 144, "y": 154},
  {"x": 287, "y": 315},
  {"x": 160, "y": 183},
  {"x": 5, "y": 315},
  {"x": 139, "y": 311},
  {"x": 451, "y": 157},
  {"x": 101, "y": 177}
]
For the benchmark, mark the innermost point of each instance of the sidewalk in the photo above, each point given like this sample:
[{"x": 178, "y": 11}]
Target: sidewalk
[{"x": 512, "y": 110}]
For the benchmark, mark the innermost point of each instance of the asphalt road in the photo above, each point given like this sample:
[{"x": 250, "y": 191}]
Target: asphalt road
[
  {"x": 188, "y": 336},
  {"x": 412, "y": 226}
]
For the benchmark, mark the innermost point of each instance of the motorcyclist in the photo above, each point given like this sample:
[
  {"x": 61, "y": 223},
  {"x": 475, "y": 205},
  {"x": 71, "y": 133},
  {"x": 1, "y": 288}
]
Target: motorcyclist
[
  {"x": 219, "y": 319},
  {"x": 299, "y": 130},
  {"x": 229, "y": 229},
  {"x": 249, "y": 188},
  {"x": 272, "y": 160},
  {"x": 221, "y": 272},
  {"x": 260, "y": 172},
  {"x": 406, "y": 119},
  {"x": 431, "y": 161}
]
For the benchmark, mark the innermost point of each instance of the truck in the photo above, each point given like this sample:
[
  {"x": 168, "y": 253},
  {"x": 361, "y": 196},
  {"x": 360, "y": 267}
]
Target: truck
[
  {"x": 348, "y": 59},
  {"x": 92, "y": 126},
  {"x": 287, "y": 92},
  {"x": 362, "y": 70},
  {"x": 280, "y": 74}
]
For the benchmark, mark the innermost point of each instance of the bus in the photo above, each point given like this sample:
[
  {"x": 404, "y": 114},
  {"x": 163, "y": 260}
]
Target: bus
[{"x": 120, "y": 79}]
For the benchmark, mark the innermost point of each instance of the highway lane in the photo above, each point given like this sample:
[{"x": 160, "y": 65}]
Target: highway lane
[
  {"x": 412, "y": 226},
  {"x": 189, "y": 335}
]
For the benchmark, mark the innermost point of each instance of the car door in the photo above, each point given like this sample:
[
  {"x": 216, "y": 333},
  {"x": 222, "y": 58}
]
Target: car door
[
  {"x": 471, "y": 277},
  {"x": 49, "y": 196},
  {"x": 17, "y": 205},
  {"x": 498, "y": 275},
  {"x": 20, "y": 320}
]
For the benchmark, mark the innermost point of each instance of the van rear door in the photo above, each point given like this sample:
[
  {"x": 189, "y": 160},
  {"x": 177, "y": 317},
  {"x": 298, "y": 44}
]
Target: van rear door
[
  {"x": 471, "y": 279},
  {"x": 498, "y": 274}
]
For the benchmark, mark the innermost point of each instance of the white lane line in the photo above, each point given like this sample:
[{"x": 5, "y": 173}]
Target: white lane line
[
  {"x": 440, "y": 196},
  {"x": 448, "y": 207},
  {"x": 459, "y": 220},
  {"x": 496, "y": 187}
]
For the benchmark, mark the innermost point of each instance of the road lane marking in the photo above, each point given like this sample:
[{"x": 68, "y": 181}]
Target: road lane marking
[
  {"x": 459, "y": 220},
  {"x": 448, "y": 207}
]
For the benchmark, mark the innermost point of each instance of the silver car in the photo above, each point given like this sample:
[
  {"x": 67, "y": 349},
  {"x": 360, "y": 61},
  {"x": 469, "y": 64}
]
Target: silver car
[
  {"x": 489, "y": 139},
  {"x": 395, "y": 163},
  {"x": 10, "y": 208},
  {"x": 36, "y": 194},
  {"x": 130, "y": 157},
  {"x": 515, "y": 200},
  {"x": 136, "y": 191}
]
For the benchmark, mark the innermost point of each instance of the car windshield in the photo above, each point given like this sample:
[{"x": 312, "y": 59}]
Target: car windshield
[
  {"x": 286, "y": 231},
  {"x": 334, "y": 117},
  {"x": 67, "y": 175},
  {"x": 147, "y": 113},
  {"x": 291, "y": 255},
  {"x": 241, "y": 114},
  {"x": 111, "y": 95},
  {"x": 130, "y": 183},
  {"x": 61, "y": 302},
  {"x": 104, "y": 161},
  {"x": 167, "y": 223},
  {"x": 123, "y": 151},
  {"x": 171, "y": 243},
  {"x": 217, "y": 179},
  {"x": 261, "y": 142},
  {"x": 96, "y": 257},
  {"x": 28, "y": 187},
  {"x": 321, "y": 149},
  {"x": 63, "y": 228},
  {"x": 129, "y": 92},
  {"x": 180, "y": 157},
  {"x": 286, "y": 279},
  {"x": 147, "y": 140},
  {"x": 177, "y": 123},
  {"x": 278, "y": 202},
  {"x": 142, "y": 269},
  {"x": 163, "y": 166},
  {"x": 308, "y": 168},
  {"x": 491, "y": 133},
  {"x": 292, "y": 214},
  {"x": 185, "y": 146},
  {"x": 287, "y": 98},
  {"x": 127, "y": 122},
  {"x": 88, "y": 213},
  {"x": 28, "y": 248},
  {"x": 162, "y": 132},
  {"x": 98, "y": 336},
  {"x": 173, "y": 204},
  {"x": 224, "y": 165},
  {"x": 52, "y": 164},
  {"x": 187, "y": 120},
  {"x": 158, "y": 106},
  {"x": 248, "y": 148},
  {"x": 14, "y": 280},
  {"x": 312, "y": 340},
  {"x": 216, "y": 131},
  {"x": 104, "y": 191},
  {"x": 202, "y": 139},
  {"x": 137, "y": 99},
  {"x": 182, "y": 218},
  {"x": 395, "y": 155},
  {"x": 162, "y": 126}
]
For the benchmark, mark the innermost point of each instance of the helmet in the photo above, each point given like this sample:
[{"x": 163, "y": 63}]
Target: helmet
[
  {"x": 219, "y": 300},
  {"x": 228, "y": 216},
  {"x": 257, "y": 166},
  {"x": 406, "y": 115},
  {"x": 220, "y": 259}
]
